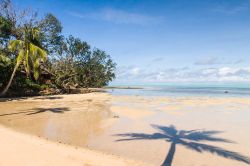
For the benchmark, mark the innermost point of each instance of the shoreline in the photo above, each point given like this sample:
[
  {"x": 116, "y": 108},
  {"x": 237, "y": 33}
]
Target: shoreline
[{"x": 53, "y": 92}]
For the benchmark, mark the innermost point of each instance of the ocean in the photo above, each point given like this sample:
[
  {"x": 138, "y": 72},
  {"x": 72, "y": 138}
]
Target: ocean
[{"x": 184, "y": 89}]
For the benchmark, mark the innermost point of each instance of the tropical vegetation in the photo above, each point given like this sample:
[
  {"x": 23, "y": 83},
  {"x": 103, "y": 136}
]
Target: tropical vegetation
[{"x": 35, "y": 56}]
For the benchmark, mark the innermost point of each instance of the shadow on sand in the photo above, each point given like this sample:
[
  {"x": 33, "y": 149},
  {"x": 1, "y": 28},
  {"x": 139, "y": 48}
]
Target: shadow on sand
[
  {"x": 40, "y": 110},
  {"x": 54, "y": 110},
  {"x": 48, "y": 98},
  {"x": 189, "y": 138},
  {"x": 34, "y": 98},
  {"x": 12, "y": 98}
]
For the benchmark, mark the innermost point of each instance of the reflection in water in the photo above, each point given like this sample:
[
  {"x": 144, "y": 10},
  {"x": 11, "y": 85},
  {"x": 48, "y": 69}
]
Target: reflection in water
[{"x": 72, "y": 125}]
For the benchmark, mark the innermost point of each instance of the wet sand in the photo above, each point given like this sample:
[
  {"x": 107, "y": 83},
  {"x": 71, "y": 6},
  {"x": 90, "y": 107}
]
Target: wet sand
[
  {"x": 178, "y": 130},
  {"x": 20, "y": 149}
]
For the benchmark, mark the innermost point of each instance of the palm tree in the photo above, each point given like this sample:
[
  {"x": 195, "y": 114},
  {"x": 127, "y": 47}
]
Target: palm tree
[
  {"x": 188, "y": 138},
  {"x": 30, "y": 54},
  {"x": 4, "y": 61}
]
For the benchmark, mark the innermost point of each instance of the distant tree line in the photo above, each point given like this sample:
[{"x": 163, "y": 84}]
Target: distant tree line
[{"x": 34, "y": 55}]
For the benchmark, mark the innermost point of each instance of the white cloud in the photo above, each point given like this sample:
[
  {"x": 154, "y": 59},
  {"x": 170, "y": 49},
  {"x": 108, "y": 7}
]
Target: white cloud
[
  {"x": 135, "y": 71},
  {"x": 119, "y": 17},
  {"x": 135, "y": 74},
  {"x": 209, "y": 71},
  {"x": 226, "y": 71}
]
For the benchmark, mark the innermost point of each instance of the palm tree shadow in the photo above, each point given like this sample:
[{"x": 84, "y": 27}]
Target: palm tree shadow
[
  {"x": 39, "y": 110},
  {"x": 188, "y": 138},
  {"x": 54, "y": 110}
]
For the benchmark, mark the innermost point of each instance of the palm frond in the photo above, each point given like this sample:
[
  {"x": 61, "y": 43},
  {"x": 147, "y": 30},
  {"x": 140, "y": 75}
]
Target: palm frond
[
  {"x": 38, "y": 52},
  {"x": 4, "y": 61},
  {"x": 16, "y": 45},
  {"x": 20, "y": 57},
  {"x": 36, "y": 68}
]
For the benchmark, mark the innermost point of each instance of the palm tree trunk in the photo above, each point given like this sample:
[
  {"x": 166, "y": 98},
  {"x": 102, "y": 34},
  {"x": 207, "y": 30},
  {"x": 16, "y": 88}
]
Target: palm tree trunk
[
  {"x": 10, "y": 81},
  {"x": 170, "y": 156}
]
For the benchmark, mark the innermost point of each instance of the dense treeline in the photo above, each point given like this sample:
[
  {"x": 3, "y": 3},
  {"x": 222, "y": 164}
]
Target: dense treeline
[{"x": 35, "y": 56}]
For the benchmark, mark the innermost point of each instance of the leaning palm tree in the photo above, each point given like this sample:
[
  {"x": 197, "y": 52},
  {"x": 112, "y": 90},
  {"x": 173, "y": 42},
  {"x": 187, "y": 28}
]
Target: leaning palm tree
[
  {"x": 29, "y": 53},
  {"x": 188, "y": 138}
]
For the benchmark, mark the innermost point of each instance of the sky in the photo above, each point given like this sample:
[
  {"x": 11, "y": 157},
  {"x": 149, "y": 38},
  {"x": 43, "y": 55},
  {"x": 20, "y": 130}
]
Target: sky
[{"x": 161, "y": 40}]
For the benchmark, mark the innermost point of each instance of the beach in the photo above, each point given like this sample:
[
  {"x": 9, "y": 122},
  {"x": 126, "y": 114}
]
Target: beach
[
  {"x": 106, "y": 129},
  {"x": 23, "y": 149},
  {"x": 124, "y": 83}
]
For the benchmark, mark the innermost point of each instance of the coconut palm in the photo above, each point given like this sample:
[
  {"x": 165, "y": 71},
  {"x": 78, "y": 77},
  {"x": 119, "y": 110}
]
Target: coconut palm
[
  {"x": 4, "y": 61},
  {"x": 189, "y": 138},
  {"x": 29, "y": 53}
]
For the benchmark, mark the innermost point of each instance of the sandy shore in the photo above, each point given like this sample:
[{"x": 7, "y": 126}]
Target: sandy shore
[
  {"x": 21, "y": 149},
  {"x": 140, "y": 129}
]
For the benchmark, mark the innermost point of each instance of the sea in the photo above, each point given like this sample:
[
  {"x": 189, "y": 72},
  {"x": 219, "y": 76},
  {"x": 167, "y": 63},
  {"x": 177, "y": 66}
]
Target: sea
[{"x": 183, "y": 89}]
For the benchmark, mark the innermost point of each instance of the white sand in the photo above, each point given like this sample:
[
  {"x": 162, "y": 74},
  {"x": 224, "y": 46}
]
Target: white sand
[
  {"x": 94, "y": 120},
  {"x": 20, "y": 149}
]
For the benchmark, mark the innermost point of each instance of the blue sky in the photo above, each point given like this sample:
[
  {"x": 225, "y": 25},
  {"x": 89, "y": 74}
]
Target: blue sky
[{"x": 162, "y": 40}]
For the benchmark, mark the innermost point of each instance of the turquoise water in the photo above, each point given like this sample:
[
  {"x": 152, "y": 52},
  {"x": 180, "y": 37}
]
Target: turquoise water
[{"x": 185, "y": 89}]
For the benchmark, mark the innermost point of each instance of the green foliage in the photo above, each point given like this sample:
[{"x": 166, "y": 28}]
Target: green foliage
[
  {"x": 28, "y": 53},
  {"x": 5, "y": 28},
  {"x": 35, "y": 86},
  {"x": 38, "y": 54},
  {"x": 4, "y": 61},
  {"x": 51, "y": 28},
  {"x": 78, "y": 66},
  {"x": 96, "y": 69},
  {"x": 5, "y": 71}
]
